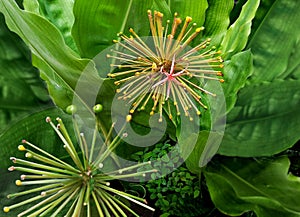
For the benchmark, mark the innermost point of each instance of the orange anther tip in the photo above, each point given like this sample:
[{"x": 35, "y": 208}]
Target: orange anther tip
[
  {"x": 188, "y": 19},
  {"x": 178, "y": 20}
]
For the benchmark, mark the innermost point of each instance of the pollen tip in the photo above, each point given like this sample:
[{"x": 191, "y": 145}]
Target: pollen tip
[
  {"x": 24, "y": 141},
  {"x": 28, "y": 155},
  {"x": 6, "y": 209},
  {"x": 198, "y": 113},
  {"x": 13, "y": 159},
  {"x": 149, "y": 11},
  {"x": 101, "y": 165},
  {"x": 191, "y": 119},
  {"x": 23, "y": 177},
  {"x": 18, "y": 182},
  {"x": 160, "y": 120},
  {"x": 188, "y": 19},
  {"x": 170, "y": 117},
  {"x": 178, "y": 20},
  {"x": 21, "y": 147},
  {"x": 12, "y": 168},
  {"x": 222, "y": 80},
  {"x": 48, "y": 119},
  {"x": 199, "y": 29},
  {"x": 131, "y": 111},
  {"x": 159, "y": 14},
  {"x": 108, "y": 183},
  {"x": 221, "y": 65},
  {"x": 115, "y": 41},
  {"x": 131, "y": 30},
  {"x": 152, "y": 113},
  {"x": 219, "y": 74},
  {"x": 128, "y": 118}
]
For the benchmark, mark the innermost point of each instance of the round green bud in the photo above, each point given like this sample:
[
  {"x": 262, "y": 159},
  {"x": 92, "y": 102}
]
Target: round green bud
[
  {"x": 98, "y": 108},
  {"x": 71, "y": 109}
]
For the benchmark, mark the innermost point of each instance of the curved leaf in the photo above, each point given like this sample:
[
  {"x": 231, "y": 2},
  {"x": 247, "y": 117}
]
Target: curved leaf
[
  {"x": 236, "y": 37},
  {"x": 206, "y": 147},
  {"x": 261, "y": 186},
  {"x": 60, "y": 13},
  {"x": 236, "y": 72},
  {"x": 274, "y": 41},
  {"x": 59, "y": 66},
  {"x": 97, "y": 23},
  {"x": 264, "y": 121}
]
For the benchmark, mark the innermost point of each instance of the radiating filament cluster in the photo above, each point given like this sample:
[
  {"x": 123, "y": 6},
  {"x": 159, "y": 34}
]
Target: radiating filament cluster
[
  {"x": 74, "y": 187},
  {"x": 165, "y": 68}
]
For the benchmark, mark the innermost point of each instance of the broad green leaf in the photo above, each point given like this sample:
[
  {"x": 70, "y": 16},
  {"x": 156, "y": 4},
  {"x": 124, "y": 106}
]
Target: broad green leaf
[
  {"x": 190, "y": 8},
  {"x": 274, "y": 41},
  {"x": 206, "y": 147},
  {"x": 293, "y": 68},
  {"x": 97, "y": 23},
  {"x": 236, "y": 72},
  {"x": 264, "y": 121},
  {"x": 217, "y": 19},
  {"x": 21, "y": 89},
  {"x": 237, "y": 186},
  {"x": 236, "y": 37},
  {"x": 59, "y": 66}
]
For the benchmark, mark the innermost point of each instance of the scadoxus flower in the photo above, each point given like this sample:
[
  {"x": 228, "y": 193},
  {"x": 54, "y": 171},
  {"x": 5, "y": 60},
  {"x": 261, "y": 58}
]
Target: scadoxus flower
[
  {"x": 76, "y": 187},
  {"x": 165, "y": 68}
]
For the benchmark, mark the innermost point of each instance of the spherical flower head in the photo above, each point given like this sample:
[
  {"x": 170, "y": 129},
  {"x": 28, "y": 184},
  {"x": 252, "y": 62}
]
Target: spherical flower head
[{"x": 166, "y": 69}]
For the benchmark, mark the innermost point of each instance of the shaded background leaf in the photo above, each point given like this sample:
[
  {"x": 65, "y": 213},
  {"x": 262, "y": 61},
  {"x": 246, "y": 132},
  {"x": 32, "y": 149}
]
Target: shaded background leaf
[
  {"x": 265, "y": 120},
  {"x": 262, "y": 186},
  {"x": 21, "y": 89},
  {"x": 275, "y": 40}
]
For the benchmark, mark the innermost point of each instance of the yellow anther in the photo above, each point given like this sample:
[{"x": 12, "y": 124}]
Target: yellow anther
[
  {"x": 188, "y": 19},
  {"x": 21, "y": 148},
  {"x": 18, "y": 182},
  {"x": 128, "y": 118}
]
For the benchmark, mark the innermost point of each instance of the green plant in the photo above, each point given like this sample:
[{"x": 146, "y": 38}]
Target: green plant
[
  {"x": 259, "y": 40},
  {"x": 179, "y": 192}
]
